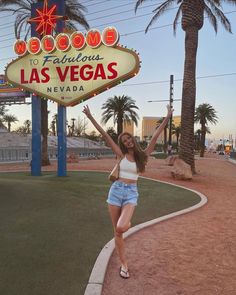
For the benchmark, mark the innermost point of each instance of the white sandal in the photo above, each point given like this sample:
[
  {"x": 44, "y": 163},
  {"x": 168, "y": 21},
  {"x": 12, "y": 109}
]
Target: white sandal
[{"x": 124, "y": 273}]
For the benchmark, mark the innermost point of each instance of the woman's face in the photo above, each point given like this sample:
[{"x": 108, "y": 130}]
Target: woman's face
[{"x": 127, "y": 141}]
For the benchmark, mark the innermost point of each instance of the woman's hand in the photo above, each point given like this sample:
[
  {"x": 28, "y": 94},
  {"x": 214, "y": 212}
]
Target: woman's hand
[
  {"x": 170, "y": 110},
  {"x": 87, "y": 112}
]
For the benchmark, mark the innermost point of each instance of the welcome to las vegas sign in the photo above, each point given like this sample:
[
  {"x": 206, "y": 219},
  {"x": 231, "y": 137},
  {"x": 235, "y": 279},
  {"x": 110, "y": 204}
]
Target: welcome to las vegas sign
[{"x": 69, "y": 69}]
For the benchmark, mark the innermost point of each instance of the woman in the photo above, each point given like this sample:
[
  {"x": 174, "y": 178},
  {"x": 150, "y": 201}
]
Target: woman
[{"x": 123, "y": 194}]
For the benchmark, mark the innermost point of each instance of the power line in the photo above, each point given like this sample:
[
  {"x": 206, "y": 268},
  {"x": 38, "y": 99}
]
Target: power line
[
  {"x": 6, "y": 26},
  {"x": 135, "y": 32},
  {"x": 141, "y": 31},
  {"x": 178, "y": 80},
  {"x": 159, "y": 27},
  {"x": 86, "y": 1},
  {"x": 124, "y": 11},
  {"x": 127, "y": 18},
  {"x": 124, "y": 19},
  {"x": 109, "y": 14},
  {"x": 122, "y": 35},
  {"x": 96, "y": 3},
  {"x": 7, "y": 58},
  {"x": 162, "y": 81},
  {"x": 114, "y": 7},
  {"x": 8, "y": 39},
  {"x": 10, "y": 34},
  {"x": 132, "y": 33},
  {"x": 8, "y": 15}
]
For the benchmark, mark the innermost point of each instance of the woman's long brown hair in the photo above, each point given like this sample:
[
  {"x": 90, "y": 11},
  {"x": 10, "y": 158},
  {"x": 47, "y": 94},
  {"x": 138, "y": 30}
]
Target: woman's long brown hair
[{"x": 139, "y": 155}]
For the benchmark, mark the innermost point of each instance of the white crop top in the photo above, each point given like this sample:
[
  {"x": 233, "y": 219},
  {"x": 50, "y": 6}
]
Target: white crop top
[{"x": 128, "y": 169}]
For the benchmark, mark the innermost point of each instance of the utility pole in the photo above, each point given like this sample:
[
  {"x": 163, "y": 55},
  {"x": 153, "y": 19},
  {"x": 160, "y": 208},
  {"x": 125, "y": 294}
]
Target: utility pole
[
  {"x": 170, "y": 100},
  {"x": 171, "y": 105}
]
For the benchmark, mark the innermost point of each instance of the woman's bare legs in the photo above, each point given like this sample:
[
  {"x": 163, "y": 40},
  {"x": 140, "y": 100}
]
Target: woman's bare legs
[{"x": 121, "y": 218}]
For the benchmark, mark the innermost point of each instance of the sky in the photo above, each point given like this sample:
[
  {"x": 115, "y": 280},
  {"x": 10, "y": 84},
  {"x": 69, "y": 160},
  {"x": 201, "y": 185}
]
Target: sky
[{"x": 161, "y": 54}]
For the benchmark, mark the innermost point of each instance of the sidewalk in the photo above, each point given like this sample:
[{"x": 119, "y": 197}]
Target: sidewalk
[{"x": 193, "y": 254}]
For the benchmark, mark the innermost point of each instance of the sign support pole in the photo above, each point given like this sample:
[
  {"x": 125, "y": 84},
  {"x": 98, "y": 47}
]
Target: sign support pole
[
  {"x": 36, "y": 120},
  {"x": 61, "y": 151},
  {"x": 61, "y": 110}
]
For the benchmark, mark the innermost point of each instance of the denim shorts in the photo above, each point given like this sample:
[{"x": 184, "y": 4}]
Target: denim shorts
[{"x": 121, "y": 194}]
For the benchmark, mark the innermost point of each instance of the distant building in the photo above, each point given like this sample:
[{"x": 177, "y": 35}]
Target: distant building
[
  {"x": 176, "y": 120},
  {"x": 149, "y": 124}
]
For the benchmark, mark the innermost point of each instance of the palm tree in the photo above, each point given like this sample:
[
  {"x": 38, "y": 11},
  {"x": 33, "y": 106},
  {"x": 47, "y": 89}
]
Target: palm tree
[
  {"x": 121, "y": 109},
  {"x": 55, "y": 119},
  {"x": 204, "y": 113},
  {"x": 2, "y": 114},
  {"x": 197, "y": 139},
  {"x": 53, "y": 127},
  {"x": 22, "y": 9},
  {"x": 73, "y": 126},
  {"x": 80, "y": 126},
  {"x": 192, "y": 19},
  {"x": 9, "y": 119},
  {"x": 27, "y": 125},
  {"x": 25, "y": 128},
  {"x": 2, "y": 111}
]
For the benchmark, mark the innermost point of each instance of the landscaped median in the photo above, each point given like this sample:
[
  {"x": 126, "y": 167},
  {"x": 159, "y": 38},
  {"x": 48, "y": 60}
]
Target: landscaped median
[{"x": 52, "y": 229}]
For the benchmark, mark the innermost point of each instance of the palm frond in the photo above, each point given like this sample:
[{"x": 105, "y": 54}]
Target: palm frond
[
  {"x": 211, "y": 17},
  {"x": 138, "y": 3},
  {"x": 223, "y": 19},
  {"x": 78, "y": 17},
  {"x": 22, "y": 9},
  {"x": 20, "y": 21},
  {"x": 159, "y": 11},
  {"x": 177, "y": 17},
  {"x": 120, "y": 108},
  {"x": 74, "y": 13},
  {"x": 27, "y": 33}
]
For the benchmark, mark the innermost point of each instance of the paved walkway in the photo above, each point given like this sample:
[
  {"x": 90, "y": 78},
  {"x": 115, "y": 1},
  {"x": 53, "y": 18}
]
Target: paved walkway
[{"x": 193, "y": 254}]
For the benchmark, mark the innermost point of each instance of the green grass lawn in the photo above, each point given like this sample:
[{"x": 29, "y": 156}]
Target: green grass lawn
[{"x": 52, "y": 229}]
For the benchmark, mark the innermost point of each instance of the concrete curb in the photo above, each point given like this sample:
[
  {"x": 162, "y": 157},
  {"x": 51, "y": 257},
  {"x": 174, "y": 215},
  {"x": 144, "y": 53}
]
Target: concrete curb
[
  {"x": 96, "y": 279},
  {"x": 232, "y": 161}
]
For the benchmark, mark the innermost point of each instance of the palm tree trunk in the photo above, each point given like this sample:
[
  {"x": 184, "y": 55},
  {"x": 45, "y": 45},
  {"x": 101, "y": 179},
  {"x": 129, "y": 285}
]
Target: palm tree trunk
[
  {"x": 44, "y": 131},
  {"x": 189, "y": 97},
  {"x": 119, "y": 126},
  {"x": 202, "y": 142}
]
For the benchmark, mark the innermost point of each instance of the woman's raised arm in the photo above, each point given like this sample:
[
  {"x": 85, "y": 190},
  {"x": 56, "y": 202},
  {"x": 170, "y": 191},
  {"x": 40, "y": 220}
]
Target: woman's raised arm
[
  {"x": 151, "y": 146},
  {"x": 116, "y": 149}
]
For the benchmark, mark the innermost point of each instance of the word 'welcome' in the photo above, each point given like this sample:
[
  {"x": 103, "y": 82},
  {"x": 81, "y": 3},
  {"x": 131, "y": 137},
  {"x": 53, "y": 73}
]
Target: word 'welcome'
[{"x": 63, "y": 42}]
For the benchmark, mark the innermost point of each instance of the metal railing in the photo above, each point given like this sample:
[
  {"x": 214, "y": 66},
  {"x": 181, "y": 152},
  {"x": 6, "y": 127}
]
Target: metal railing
[{"x": 23, "y": 154}]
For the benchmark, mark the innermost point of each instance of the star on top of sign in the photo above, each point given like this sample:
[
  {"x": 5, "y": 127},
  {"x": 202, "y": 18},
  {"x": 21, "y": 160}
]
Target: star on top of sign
[{"x": 46, "y": 19}]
